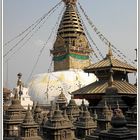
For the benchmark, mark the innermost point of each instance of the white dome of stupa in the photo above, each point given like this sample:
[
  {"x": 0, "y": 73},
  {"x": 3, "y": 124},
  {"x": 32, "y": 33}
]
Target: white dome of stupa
[{"x": 46, "y": 87}]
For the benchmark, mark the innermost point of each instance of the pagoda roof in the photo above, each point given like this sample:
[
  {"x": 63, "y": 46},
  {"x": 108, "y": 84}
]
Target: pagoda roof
[
  {"x": 111, "y": 61},
  {"x": 115, "y": 63},
  {"x": 99, "y": 87}
]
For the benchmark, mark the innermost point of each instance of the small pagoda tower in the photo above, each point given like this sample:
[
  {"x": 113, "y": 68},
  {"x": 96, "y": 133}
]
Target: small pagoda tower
[
  {"x": 13, "y": 118},
  {"x": 103, "y": 121},
  {"x": 29, "y": 128},
  {"x": 119, "y": 131},
  {"x": 71, "y": 48},
  {"x": 57, "y": 127},
  {"x": 85, "y": 124},
  {"x": 94, "y": 92},
  {"x": 62, "y": 101},
  {"x": 72, "y": 108},
  {"x": 38, "y": 116}
]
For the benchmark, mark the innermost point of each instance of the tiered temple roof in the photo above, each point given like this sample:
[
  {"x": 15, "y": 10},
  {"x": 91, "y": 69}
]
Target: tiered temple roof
[{"x": 102, "y": 71}]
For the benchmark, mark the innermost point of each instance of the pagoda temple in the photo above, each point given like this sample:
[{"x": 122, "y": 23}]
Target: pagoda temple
[{"x": 94, "y": 92}]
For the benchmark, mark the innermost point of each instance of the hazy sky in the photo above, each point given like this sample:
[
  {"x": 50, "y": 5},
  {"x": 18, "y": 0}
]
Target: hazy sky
[{"x": 116, "y": 19}]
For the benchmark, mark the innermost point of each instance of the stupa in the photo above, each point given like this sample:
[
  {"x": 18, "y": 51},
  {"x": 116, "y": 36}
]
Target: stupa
[
  {"x": 57, "y": 127},
  {"x": 23, "y": 93},
  {"x": 13, "y": 118},
  {"x": 70, "y": 55}
]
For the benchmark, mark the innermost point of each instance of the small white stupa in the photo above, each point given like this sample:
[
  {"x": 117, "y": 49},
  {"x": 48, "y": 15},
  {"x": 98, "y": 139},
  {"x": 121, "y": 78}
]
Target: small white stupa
[{"x": 23, "y": 93}]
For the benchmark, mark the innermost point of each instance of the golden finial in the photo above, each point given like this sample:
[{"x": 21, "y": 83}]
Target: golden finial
[
  {"x": 70, "y": 2},
  {"x": 110, "y": 50}
]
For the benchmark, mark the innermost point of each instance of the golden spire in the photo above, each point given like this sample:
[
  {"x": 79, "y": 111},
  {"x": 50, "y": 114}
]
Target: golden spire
[
  {"x": 109, "y": 51},
  {"x": 70, "y": 2},
  {"x": 71, "y": 44},
  {"x": 70, "y": 23}
]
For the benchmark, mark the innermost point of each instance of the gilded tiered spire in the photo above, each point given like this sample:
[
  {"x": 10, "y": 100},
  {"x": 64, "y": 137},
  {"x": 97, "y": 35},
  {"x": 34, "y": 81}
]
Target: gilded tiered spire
[
  {"x": 71, "y": 44},
  {"x": 70, "y": 2}
]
